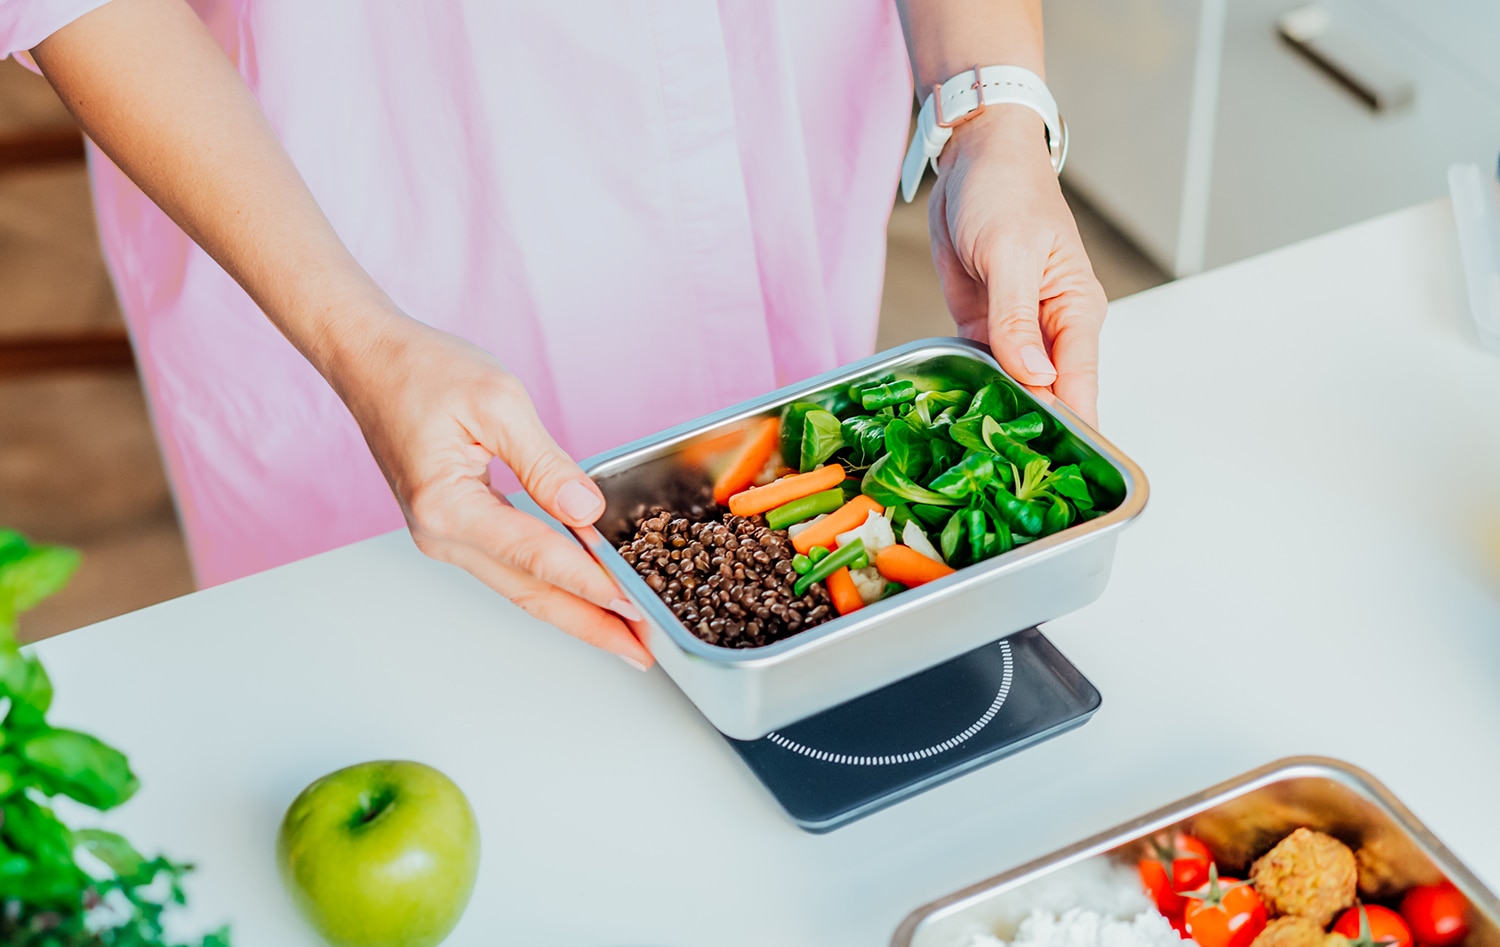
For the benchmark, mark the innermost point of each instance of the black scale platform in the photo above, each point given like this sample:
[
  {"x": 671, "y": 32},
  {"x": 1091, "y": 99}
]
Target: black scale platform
[{"x": 875, "y": 750}]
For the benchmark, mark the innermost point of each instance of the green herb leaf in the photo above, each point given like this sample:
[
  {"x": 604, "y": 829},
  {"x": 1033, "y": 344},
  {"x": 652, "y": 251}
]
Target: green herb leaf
[
  {"x": 821, "y": 437},
  {"x": 112, "y": 849},
  {"x": 865, "y": 438},
  {"x": 949, "y": 538},
  {"x": 995, "y": 400},
  {"x": 1068, "y": 481},
  {"x": 33, "y": 574},
  {"x": 791, "y": 430},
  {"x": 887, "y": 485},
  {"x": 1059, "y": 515},
  {"x": 908, "y": 450},
  {"x": 81, "y": 767},
  {"x": 1006, "y": 446},
  {"x": 967, "y": 477}
]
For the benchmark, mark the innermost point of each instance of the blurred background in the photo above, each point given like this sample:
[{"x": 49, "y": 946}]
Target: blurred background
[{"x": 1204, "y": 131}]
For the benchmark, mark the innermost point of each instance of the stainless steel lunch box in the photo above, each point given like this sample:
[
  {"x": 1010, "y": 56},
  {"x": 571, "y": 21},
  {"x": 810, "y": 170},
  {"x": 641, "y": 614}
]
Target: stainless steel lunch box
[
  {"x": 749, "y": 693},
  {"x": 1239, "y": 820}
]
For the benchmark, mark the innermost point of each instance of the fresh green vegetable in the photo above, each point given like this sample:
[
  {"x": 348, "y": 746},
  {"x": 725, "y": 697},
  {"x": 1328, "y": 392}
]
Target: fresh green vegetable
[
  {"x": 1006, "y": 446},
  {"x": 821, "y": 437},
  {"x": 46, "y": 898},
  {"x": 994, "y": 400},
  {"x": 791, "y": 431},
  {"x": 805, "y": 508},
  {"x": 949, "y": 538},
  {"x": 908, "y": 450},
  {"x": 967, "y": 477},
  {"x": 1023, "y": 516},
  {"x": 801, "y": 564},
  {"x": 975, "y": 523},
  {"x": 852, "y": 556},
  {"x": 887, "y": 395},
  {"x": 865, "y": 437},
  {"x": 886, "y": 484},
  {"x": 1025, "y": 427},
  {"x": 818, "y": 553}
]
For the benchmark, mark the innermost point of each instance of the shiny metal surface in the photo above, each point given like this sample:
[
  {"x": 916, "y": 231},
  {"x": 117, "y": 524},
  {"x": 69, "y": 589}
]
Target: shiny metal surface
[
  {"x": 748, "y": 693},
  {"x": 1239, "y": 820}
]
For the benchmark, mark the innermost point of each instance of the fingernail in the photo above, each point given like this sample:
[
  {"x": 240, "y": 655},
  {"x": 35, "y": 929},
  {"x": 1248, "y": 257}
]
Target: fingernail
[
  {"x": 625, "y": 610},
  {"x": 1036, "y": 361},
  {"x": 633, "y": 662},
  {"x": 577, "y": 501}
]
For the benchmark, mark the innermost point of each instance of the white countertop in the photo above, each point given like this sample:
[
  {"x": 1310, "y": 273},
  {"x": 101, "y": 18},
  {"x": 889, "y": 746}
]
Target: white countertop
[{"x": 1322, "y": 434}]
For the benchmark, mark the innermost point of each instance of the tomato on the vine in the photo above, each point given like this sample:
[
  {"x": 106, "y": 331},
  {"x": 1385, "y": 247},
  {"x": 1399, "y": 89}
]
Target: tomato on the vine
[
  {"x": 1437, "y": 914},
  {"x": 1370, "y": 925},
  {"x": 1224, "y": 913},
  {"x": 1176, "y": 864}
]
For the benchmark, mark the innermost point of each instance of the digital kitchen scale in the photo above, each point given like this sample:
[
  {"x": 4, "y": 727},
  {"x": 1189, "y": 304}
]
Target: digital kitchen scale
[{"x": 876, "y": 750}]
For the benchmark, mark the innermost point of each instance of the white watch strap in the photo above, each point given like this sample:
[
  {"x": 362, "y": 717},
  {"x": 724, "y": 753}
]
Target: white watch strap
[{"x": 966, "y": 95}]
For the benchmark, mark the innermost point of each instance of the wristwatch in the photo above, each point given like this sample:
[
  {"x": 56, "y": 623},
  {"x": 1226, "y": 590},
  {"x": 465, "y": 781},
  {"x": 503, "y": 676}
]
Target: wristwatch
[{"x": 967, "y": 95}]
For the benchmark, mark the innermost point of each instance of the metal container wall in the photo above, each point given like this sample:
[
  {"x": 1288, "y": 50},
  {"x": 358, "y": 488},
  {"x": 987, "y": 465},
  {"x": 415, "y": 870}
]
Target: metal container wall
[
  {"x": 1239, "y": 820},
  {"x": 748, "y": 693}
]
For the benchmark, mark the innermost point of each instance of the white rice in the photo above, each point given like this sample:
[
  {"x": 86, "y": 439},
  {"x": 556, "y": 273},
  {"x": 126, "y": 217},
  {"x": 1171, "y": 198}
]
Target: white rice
[{"x": 1093, "y": 904}]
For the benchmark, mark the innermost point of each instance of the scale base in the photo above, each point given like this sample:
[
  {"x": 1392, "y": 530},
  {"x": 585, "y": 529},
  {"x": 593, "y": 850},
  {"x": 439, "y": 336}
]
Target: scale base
[{"x": 921, "y": 731}]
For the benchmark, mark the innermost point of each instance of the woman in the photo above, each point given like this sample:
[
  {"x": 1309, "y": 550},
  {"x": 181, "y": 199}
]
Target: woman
[{"x": 645, "y": 212}]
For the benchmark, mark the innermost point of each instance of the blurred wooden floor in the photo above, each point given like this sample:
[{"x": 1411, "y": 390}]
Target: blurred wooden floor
[{"x": 78, "y": 461}]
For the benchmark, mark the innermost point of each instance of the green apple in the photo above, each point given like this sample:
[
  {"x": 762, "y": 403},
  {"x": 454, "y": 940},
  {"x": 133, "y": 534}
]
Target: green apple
[{"x": 381, "y": 853}]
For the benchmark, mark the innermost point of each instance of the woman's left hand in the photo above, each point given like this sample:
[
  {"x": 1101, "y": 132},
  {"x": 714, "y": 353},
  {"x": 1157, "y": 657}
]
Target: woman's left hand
[{"x": 1012, "y": 265}]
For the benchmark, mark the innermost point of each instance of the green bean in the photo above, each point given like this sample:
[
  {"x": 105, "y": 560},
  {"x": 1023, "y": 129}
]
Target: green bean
[
  {"x": 817, "y": 552},
  {"x": 801, "y": 564},
  {"x": 805, "y": 508},
  {"x": 850, "y": 556}
]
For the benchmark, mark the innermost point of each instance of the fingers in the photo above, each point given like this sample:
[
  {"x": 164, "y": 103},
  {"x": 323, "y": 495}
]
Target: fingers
[
  {"x": 553, "y": 479},
  {"x": 1075, "y": 350},
  {"x": 1015, "y": 337},
  {"x": 548, "y": 603},
  {"x": 963, "y": 294}
]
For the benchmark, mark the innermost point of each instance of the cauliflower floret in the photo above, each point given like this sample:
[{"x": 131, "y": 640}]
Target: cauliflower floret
[
  {"x": 870, "y": 582},
  {"x": 875, "y": 532}
]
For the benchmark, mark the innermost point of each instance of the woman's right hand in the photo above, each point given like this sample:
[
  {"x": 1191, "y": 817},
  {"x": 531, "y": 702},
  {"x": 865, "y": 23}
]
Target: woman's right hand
[{"x": 435, "y": 411}]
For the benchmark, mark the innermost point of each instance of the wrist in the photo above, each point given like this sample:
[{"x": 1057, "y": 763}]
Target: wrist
[{"x": 1014, "y": 129}]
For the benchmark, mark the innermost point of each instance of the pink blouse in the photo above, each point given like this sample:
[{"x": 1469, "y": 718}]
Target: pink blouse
[{"x": 647, "y": 211}]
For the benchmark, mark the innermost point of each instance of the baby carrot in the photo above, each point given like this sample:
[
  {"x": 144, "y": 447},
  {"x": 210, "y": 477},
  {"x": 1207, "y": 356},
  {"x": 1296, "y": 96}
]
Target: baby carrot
[
  {"x": 907, "y": 566},
  {"x": 825, "y": 531},
  {"x": 774, "y": 494},
  {"x": 761, "y": 441},
  {"x": 844, "y": 592}
]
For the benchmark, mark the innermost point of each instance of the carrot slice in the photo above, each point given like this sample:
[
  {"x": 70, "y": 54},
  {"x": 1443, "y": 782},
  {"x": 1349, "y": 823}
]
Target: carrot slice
[
  {"x": 774, "y": 494},
  {"x": 905, "y": 565},
  {"x": 844, "y": 592},
  {"x": 825, "y": 532},
  {"x": 761, "y": 441}
]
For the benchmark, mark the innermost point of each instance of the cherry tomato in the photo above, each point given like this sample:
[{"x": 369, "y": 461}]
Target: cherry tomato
[
  {"x": 1224, "y": 913},
  {"x": 1179, "y": 863},
  {"x": 1369, "y": 925},
  {"x": 1437, "y": 914}
]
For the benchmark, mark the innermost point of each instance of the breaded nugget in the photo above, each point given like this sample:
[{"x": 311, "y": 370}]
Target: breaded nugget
[
  {"x": 1308, "y": 874},
  {"x": 1292, "y": 931}
]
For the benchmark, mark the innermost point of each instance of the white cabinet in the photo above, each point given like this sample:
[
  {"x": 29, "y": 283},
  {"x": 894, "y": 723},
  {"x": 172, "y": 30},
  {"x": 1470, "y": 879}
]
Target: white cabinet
[{"x": 1207, "y": 138}]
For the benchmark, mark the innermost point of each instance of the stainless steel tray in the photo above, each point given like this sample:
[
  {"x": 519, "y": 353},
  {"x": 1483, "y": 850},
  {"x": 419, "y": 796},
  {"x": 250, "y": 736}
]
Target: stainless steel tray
[
  {"x": 1239, "y": 820},
  {"x": 749, "y": 693}
]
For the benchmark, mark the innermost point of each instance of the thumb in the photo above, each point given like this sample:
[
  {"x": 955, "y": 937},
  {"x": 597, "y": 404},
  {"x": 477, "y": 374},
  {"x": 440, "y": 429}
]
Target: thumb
[
  {"x": 1014, "y": 334},
  {"x": 545, "y": 470}
]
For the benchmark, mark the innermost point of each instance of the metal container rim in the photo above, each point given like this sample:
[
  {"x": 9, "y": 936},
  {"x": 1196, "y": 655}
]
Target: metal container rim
[
  {"x": 1293, "y": 767},
  {"x": 1136, "y": 493}
]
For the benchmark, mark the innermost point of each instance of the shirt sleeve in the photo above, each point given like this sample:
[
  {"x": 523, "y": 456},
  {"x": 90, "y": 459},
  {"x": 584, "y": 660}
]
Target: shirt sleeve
[{"x": 25, "y": 23}]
